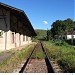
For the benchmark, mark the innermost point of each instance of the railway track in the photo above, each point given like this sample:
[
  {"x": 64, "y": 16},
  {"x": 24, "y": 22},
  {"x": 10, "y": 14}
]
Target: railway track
[{"x": 36, "y": 64}]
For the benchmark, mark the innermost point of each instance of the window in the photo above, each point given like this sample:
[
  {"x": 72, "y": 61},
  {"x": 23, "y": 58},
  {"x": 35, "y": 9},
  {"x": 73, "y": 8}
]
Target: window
[
  {"x": 12, "y": 37},
  {"x": 23, "y": 38},
  {"x": 1, "y": 33}
]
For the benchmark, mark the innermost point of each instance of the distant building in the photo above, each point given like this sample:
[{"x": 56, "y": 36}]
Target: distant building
[
  {"x": 15, "y": 28},
  {"x": 70, "y": 35}
]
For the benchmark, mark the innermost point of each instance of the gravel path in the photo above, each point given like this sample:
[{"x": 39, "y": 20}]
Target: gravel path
[
  {"x": 6, "y": 55},
  {"x": 36, "y": 66}
]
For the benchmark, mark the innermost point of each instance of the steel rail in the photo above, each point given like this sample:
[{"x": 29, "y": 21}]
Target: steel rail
[
  {"x": 25, "y": 64},
  {"x": 47, "y": 59},
  {"x": 50, "y": 68}
]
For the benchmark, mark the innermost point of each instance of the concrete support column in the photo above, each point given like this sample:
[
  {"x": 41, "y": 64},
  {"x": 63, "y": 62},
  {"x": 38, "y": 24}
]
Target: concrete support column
[
  {"x": 7, "y": 30},
  {"x": 21, "y": 39},
  {"x": 9, "y": 37},
  {"x": 17, "y": 39},
  {"x": 28, "y": 40}
]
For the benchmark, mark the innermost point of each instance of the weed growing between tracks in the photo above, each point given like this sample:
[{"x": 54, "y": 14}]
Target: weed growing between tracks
[
  {"x": 63, "y": 54},
  {"x": 38, "y": 53},
  {"x": 17, "y": 58}
]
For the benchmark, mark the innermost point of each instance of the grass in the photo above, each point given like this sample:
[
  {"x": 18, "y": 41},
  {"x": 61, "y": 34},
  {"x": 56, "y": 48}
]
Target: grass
[
  {"x": 38, "y": 54},
  {"x": 18, "y": 56},
  {"x": 70, "y": 41},
  {"x": 40, "y": 33},
  {"x": 7, "y": 51},
  {"x": 63, "y": 54}
]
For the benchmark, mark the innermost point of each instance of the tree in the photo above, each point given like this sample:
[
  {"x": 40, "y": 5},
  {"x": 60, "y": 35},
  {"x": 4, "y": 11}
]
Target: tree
[
  {"x": 69, "y": 25},
  {"x": 57, "y": 28},
  {"x": 60, "y": 28},
  {"x": 48, "y": 34}
]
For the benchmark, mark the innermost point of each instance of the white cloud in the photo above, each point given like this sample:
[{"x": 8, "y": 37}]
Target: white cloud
[{"x": 45, "y": 22}]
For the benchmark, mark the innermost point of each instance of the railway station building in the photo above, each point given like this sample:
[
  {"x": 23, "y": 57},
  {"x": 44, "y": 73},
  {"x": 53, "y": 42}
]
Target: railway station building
[{"x": 15, "y": 28}]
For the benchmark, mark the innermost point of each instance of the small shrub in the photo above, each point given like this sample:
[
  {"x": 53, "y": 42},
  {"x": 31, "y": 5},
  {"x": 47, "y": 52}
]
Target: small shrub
[
  {"x": 17, "y": 58},
  {"x": 61, "y": 43},
  {"x": 38, "y": 54},
  {"x": 63, "y": 53},
  {"x": 69, "y": 41}
]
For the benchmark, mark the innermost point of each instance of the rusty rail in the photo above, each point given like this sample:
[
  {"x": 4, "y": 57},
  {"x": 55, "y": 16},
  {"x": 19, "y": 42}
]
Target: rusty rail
[
  {"x": 47, "y": 59},
  {"x": 22, "y": 69}
]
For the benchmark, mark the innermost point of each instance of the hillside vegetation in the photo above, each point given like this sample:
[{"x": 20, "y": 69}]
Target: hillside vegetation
[{"x": 41, "y": 34}]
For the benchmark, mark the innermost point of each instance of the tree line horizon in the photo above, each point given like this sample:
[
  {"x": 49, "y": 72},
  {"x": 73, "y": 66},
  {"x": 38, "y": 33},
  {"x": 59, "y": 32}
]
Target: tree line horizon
[{"x": 59, "y": 28}]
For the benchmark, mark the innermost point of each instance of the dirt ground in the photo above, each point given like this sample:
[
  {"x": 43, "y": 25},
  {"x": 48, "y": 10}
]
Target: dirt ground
[{"x": 7, "y": 54}]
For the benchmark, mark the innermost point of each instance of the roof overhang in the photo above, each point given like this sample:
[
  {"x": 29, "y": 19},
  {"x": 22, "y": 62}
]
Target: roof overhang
[{"x": 22, "y": 15}]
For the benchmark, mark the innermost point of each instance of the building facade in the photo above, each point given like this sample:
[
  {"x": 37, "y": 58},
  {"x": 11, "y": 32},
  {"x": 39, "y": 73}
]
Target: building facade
[
  {"x": 15, "y": 28},
  {"x": 70, "y": 36}
]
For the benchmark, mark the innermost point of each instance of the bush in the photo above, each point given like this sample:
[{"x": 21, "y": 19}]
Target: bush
[
  {"x": 61, "y": 43},
  {"x": 64, "y": 55},
  {"x": 69, "y": 41},
  {"x": 67, "y": 63},
  {"x": 10, "y": 64}
]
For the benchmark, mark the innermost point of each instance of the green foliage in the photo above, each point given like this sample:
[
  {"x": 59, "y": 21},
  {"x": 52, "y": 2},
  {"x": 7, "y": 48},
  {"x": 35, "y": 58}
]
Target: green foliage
[
  {"x": 64, "y": 55},
  {"x": 49, "y": 35},
  {"x": 16, "y": 59},
  {"x": 61, "y": 43},
  {"x": 38, "y": 54},
  {"x": 70, "y": 41},
  {"x": 62, "y": 27},
  {"x": 41, "y": 34}
]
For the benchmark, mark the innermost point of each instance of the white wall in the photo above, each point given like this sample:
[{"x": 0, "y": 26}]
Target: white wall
[
  {"x": 70, "y": 36},
  {"x": 3, "y": 28}
]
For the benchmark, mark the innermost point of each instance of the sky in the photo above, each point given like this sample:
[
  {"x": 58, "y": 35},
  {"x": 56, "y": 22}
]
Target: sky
[{"x": 42, "y": 13}]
